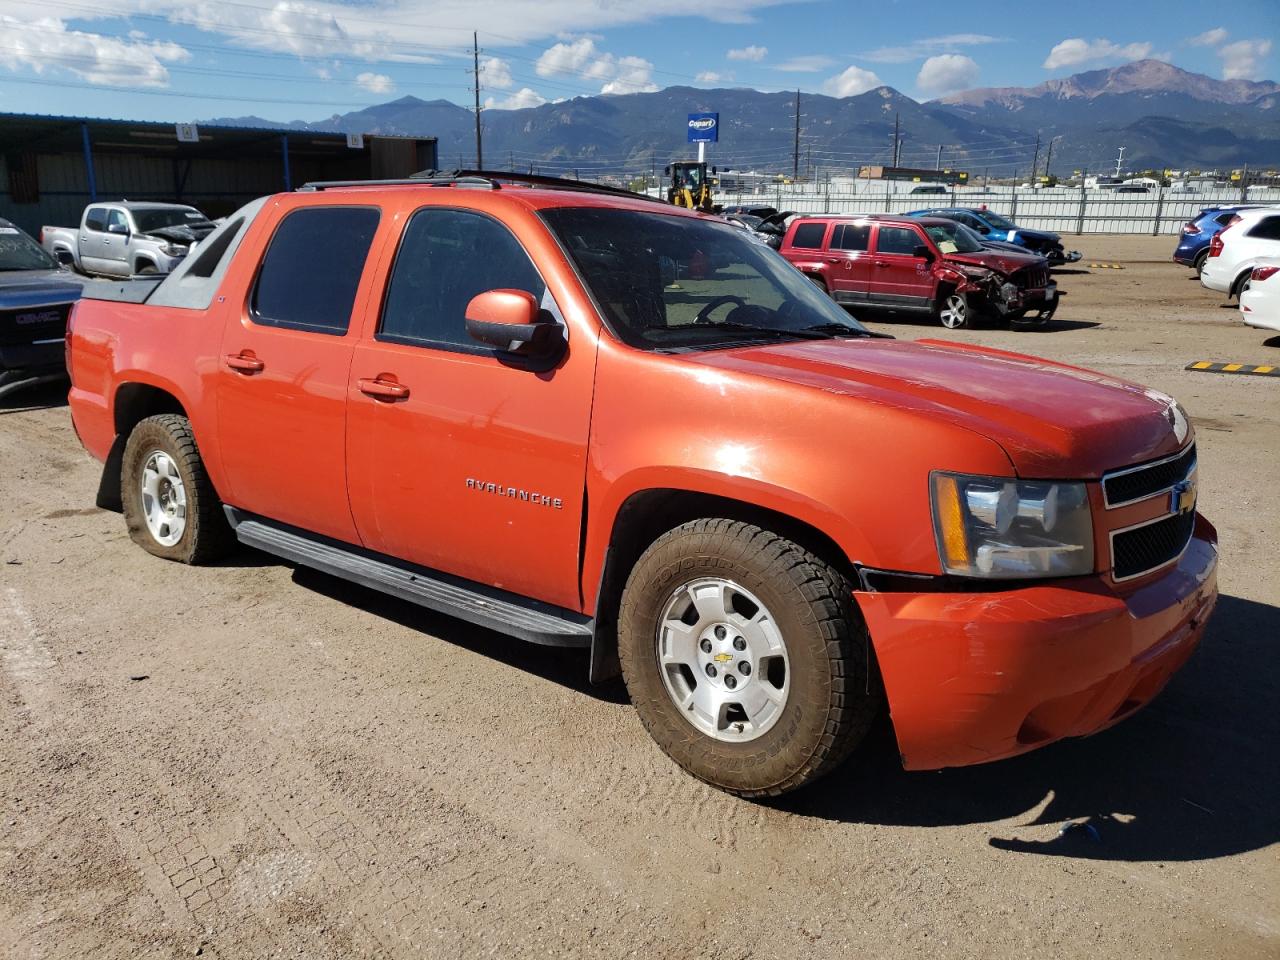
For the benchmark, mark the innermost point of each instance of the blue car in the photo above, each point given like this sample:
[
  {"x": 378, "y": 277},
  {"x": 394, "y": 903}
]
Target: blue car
[
  {"x": 1193, "y": 244},
  {"x": 36, "y": 295},
  {"x": 993, "y": 227}
]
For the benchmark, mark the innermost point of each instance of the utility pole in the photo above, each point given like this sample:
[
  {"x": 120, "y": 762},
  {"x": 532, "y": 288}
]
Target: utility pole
[
  {"x": 795, "y": 149},
  {"x": 1049, "y": 158},
  {"x": 475, "y": 61},
  {"x": 1035, "y": 162},
  {"x": 1119, "y": 161},
  {"x": 938, "y": 163},
  {"x": 897, "y": 143},
  {"x": 808, "y": 162}
]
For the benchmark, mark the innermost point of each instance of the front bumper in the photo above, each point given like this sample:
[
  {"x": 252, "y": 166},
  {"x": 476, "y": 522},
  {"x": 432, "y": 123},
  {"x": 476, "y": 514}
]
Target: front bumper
[
  {"x": 28, "y": 364},
  {"x": 973, "y": 677},
  {"x": 1058, "y": 257}
]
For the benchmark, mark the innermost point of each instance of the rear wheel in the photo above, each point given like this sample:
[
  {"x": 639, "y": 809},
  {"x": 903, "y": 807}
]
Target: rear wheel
[
  {"x": 745, "y": 657},
  {"x": 953, "y": 312},
  {"x": 1241, "y": 284},
  {"x": 147, "y": 270},
  {"x": 170, "y": 506},
  {"x": 1201, "y": 257}
]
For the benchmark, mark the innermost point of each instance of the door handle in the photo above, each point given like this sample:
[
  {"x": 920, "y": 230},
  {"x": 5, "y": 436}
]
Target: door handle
[
  {"x": 245, "y": 362},
  {"x": 833, "y": 259},
  {"x": 381, "y": 389},
  {"x": 881, "y": 263}
]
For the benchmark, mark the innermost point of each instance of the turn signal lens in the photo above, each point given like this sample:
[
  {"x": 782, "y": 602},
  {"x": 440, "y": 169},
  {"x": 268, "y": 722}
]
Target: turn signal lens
[
  {"x": 946, "y": 495},
  {"x": 1261, "y": 273}
]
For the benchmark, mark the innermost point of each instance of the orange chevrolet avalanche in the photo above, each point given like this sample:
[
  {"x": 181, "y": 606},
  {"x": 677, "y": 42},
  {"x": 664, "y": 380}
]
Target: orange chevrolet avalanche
[{"x": 587, "y": 419}]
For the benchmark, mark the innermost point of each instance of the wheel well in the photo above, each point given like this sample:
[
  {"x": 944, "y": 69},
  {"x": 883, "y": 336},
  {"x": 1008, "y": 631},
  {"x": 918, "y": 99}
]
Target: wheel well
[
  {"x": 142, "y": 261},
  {"x": 1237, "y": 285},
  {"x": 818, "y": 278},
  {"x": 134, "y": 402},
  {"x": 646, "y": 516}
]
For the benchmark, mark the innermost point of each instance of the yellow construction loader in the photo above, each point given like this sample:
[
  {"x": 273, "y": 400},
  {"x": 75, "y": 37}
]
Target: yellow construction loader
[{"x": 689, "y": 186}]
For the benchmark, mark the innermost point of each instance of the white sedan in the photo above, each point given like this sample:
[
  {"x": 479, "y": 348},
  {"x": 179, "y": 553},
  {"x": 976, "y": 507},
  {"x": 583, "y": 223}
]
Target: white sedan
[{"x": 1260, "y": 299}]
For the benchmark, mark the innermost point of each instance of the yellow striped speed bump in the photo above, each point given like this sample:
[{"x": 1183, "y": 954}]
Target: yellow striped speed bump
[
  {"x": 1245, "y": 369},
  {"x": 1106, "y": 266}
]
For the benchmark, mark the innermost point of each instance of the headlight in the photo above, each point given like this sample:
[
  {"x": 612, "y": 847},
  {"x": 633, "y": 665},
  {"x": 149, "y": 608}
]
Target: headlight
[
  {"x": 174, "y": 249},
  {"x": 995, "y": 527}
]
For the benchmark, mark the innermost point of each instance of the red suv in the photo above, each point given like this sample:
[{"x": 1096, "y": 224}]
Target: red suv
[{"x": 920, "y": 264}]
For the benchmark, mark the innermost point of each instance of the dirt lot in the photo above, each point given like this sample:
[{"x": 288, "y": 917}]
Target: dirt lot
[{"x": 251, "y": 760}]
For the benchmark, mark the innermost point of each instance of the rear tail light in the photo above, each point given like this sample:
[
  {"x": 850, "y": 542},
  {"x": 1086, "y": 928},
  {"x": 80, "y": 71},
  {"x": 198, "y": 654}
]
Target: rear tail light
[
  {"x": 1190, "y": 229},
  {"x": 1215, "y": 245},
  {"x": 1261, "y": 273}
]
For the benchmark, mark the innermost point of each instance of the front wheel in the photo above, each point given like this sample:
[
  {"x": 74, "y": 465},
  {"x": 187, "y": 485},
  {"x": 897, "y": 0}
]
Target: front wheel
[
  {"x": 170, "y": 506},
  {"x": 745, "y": 657},
  {"x": 954, "y": 311}
]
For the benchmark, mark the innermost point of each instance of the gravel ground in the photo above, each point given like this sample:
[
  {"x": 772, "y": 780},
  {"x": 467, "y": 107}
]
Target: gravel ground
[{"x": 250, "y": 760}]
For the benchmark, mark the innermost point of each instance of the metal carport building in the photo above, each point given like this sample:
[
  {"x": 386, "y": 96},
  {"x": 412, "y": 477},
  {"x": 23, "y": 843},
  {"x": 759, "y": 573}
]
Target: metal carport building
[{"x": 51, "y": 167}]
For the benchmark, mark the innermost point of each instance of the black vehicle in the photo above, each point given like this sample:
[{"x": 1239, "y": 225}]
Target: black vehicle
[{"x": 36, "y": 295}]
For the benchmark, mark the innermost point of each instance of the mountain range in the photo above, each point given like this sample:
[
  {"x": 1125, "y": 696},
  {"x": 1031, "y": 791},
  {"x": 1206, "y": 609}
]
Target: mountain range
[{"x": 1164, "y": 116}]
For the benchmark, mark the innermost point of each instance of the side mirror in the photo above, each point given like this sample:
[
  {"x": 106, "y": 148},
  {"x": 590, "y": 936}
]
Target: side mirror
[
  {"x": 922, "y": 251},
  {"x": 984, "y": 229},
  {"x": 510, "y": 321},
  {"x": 118, "y": 228}
]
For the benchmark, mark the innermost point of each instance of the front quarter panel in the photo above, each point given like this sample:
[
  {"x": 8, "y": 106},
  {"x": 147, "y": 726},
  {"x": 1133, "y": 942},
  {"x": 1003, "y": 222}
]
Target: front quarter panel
[{"x": 855, "y": 468}]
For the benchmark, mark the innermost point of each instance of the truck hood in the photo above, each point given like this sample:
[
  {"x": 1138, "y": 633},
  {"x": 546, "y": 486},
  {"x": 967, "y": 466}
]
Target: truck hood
[
  {"x": 1054, "y": 421},
  {"x": 183, "y": 232},
  {"x": 20, "y": 289}
]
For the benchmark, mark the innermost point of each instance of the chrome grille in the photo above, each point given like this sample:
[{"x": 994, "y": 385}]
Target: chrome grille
[
  {"x": 1144, "y": 548},
  {"x": 1032, "y": 278},
  {"x": 1137, "y": 483}
]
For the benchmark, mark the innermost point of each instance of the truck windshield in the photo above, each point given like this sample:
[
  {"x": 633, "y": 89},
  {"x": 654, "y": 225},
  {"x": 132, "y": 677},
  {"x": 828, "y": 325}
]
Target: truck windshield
[
  {"x": 20, "y": 252},
  {"x": 148, "y": 220},
  {"x": 953, "y": 238},
  {"x": 674, "y": 282}
]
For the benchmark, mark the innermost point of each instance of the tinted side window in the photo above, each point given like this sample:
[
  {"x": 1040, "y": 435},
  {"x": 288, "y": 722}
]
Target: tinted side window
[
  {"x": 96, "y": 220},
  {"x": 309, "y": 275},
  {"x": 808, "y": 236},
  {"x": 898, "y": 240},
  {"x": 116, "y": 218},
  {"x": 1222, "y": 218},
  {"x": 1266, "y": 229},
  {"x": 446, "y": 258},
  {"x": 852, "y": 236}
]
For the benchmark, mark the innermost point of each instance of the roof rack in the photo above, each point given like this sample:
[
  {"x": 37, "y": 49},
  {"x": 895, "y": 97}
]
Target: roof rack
[{"x": 483, "y": 180}]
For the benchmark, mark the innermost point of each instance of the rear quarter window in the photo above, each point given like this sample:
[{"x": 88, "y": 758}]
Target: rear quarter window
[
  {"x": 1267, "y": 228},
  {"x": 808, "y": 236},
  {"x": 95, "y": 219},
  {"x": 309, "y": 275}
]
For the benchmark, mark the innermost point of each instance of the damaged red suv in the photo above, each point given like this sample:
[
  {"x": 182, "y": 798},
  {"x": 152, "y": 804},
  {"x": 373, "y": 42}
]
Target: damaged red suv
[{"x": 924, "y": 265}]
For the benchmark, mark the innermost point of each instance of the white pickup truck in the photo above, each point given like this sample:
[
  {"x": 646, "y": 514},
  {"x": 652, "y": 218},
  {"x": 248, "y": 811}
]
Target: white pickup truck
[{"x": 127, "y": 238}]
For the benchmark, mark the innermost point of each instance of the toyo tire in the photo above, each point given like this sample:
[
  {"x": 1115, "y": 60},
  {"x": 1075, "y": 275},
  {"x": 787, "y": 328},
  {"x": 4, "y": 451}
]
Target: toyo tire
[
  {"x": 170, "y": 506},
  {"x": 746, "y": 657}
]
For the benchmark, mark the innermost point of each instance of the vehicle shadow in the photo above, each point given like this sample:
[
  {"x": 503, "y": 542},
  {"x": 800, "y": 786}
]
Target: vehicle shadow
[
  {"x": 44, "y": 396},
  {"x": 1057, "y": 326},
  {"x": 1271, "y": 342},
  {"x": 564, "y": 666},
  {"x": 1067, "y": 272},
  {"x": 1192, "y": 777}
]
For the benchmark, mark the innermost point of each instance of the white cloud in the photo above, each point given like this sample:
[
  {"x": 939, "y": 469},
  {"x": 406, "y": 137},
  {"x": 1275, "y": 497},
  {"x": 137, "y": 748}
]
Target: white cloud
[
  {"x": 582, "y": 58},
  {"x": 709, "y": 76},
  {"x": 1210, "y": 38},
  {"x": 809, "y": 63},
  {"x": 1075, "y": 51},
  {"x": 928, "y": 47},
  {"x": 496, "y": 73},
  {"x": 633, "y": 75},
  {"x": 850, "y": 83},
  {"x": 947, "y": 73},
  {"x": 46, "y": 44},
  {"x": 1240, "y": 60},
  {"x": 753, "y": 53},
  {"x": 375, "y": 82},
  {"x": 524, "y": 97}
]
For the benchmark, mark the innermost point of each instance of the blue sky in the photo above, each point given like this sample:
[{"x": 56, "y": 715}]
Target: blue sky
[{"x": 305, "y": 59}]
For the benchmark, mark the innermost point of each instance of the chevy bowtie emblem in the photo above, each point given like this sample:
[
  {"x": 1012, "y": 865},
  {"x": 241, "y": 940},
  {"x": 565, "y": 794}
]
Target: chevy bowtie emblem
[{"x": 1182, "y": 497}]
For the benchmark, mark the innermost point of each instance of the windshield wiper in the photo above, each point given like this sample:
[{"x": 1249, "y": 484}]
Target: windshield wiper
[
  {"x": 844, "y": 330},
  {"x": 808, "y": 333}
]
